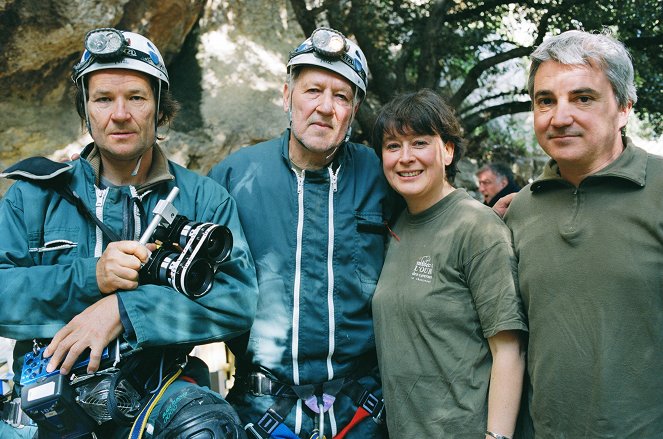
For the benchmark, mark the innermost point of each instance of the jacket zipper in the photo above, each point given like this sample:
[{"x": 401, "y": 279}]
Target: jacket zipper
[
  {"x": 99, "y": 212},
  {"x": 333, "y": 187},
  {"x": 298, "y": 274}
]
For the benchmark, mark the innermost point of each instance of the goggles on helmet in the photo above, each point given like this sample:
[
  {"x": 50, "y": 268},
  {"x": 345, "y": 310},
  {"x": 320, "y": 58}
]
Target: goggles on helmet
[
  {"x": 332, "y": 45},
  {"x": 107, "y": 45}
]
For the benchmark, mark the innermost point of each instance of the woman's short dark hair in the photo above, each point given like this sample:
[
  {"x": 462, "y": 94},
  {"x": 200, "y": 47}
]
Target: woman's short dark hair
[
  {"x": 168, "y": 106},
  {"x": 421, "y": 112}
]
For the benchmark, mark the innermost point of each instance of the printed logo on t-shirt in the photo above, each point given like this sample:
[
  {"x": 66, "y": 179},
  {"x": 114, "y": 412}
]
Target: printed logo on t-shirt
[{"x": 423, "y": 270}]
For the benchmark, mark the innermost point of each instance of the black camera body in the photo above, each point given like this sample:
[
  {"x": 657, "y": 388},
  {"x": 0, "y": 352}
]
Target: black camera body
[
  {"x": 50, "y": 399},
  {"x": 188, "y": 256},
  {"x": 189, "y": 253},
  {"x": 51, "y": 403}
]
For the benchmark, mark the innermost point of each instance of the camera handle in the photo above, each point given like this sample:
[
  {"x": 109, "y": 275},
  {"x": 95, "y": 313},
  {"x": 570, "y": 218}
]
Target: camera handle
[{"x": 164, "y": 210}]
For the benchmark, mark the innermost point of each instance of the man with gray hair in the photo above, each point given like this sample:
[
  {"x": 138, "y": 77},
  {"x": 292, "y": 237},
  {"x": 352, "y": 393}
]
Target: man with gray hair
[
  {"x": 314, "y": 208},
  {"x": 495, "y": 181},
  {"x": 589, "y": 236}
]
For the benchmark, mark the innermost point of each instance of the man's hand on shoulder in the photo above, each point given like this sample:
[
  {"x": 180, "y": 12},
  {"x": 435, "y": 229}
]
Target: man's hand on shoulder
[
  {"x": 503, "y": 204},
  {"x": 94, "y": 328},
  {"x": 118, "y": 267}
]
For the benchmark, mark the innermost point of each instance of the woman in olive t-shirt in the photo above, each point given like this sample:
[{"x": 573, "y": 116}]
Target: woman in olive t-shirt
[{"x": 447, "y": 314}]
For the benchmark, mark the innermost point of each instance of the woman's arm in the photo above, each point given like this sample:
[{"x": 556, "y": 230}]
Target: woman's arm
[{"x": 506, "y": 383}]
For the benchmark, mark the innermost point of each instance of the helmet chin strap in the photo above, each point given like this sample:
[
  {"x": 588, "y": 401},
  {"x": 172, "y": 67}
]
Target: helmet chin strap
[
  {"x": 156, "y": 115},
  {"x": 290, "y": 86},
  {"x": 135, "y": 171},
  {"x": 352, "y": 116},
  {"x": 156, "y": 127},
  {"x": 331, "y": 154},
  {"x": 87, "y": 114},
  {"x": 348, "y": 133}
]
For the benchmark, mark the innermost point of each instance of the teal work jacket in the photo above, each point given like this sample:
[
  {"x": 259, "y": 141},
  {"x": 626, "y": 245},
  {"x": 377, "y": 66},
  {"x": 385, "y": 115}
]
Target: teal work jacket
[{"x": 49, "y": 253}]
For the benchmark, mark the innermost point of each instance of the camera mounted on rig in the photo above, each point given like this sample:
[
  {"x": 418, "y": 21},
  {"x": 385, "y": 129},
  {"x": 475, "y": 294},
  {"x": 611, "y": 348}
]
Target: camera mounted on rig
[{"x": 189, "y": 253}]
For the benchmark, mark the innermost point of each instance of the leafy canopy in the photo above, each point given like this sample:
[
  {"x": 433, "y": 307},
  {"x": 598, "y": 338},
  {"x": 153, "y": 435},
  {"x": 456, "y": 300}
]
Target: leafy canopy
[{"x": 475, "y": 52}]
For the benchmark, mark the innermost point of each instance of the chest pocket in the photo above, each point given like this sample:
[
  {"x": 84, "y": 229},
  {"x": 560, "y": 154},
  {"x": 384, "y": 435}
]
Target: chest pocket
[
  {"x": 59, "y": 246},
  {"x": 370, "y": 232}
]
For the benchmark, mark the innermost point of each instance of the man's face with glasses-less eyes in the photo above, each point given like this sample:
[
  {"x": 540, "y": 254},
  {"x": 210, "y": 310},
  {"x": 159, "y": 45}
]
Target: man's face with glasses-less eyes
[{"x": 490, "y": 184}]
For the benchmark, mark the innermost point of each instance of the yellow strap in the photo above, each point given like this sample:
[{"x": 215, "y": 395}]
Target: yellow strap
[{"x": 141, "y": 420}]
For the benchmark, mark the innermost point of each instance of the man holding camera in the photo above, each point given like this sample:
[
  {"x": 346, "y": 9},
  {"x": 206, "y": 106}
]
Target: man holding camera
[{"x": 71, "y": 265}]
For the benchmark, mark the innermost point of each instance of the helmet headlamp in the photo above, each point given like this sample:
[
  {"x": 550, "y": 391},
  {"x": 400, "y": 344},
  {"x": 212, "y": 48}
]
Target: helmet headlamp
[
  {"x": 108, "y": 48},
  {"x": 105, "y": 43},
  {"x": 329, "y": 42},
  {"x": 330, "y": 45}
]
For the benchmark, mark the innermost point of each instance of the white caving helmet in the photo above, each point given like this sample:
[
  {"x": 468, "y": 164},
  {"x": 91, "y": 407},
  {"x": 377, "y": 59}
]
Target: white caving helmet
[
  {"x": 329, "y": 49},
  {"x": 109, "y": 48}
]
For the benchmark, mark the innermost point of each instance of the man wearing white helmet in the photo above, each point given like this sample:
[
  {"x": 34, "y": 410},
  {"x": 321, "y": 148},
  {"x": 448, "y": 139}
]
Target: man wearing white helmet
[
  {"x": 81, "y": 281},
  {"x": 314, "y": 208}
]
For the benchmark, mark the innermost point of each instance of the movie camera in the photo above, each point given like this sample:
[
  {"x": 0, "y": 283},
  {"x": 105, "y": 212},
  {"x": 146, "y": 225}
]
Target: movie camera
[{"x": 189, "y": 253}]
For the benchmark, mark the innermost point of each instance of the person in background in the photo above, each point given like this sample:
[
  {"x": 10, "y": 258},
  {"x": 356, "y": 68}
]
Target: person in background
[
  {"x": 495, "y": 181},
  {"x": 588, "y": 233},
  {"x": 71, "y": 261},
  {"x": 314, "y": 207},
  {"x": 447, "y": 314}
]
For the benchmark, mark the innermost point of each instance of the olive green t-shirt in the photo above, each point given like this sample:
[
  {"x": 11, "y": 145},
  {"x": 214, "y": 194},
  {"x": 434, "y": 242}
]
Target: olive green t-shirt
[{"x": 448, "y": 282}]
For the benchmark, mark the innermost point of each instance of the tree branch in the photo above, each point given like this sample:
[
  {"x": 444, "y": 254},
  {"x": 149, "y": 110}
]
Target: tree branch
[
  {"x": 305, "y": 17},
  {"x": 487, "y": 6},
  {"x": 472, "y": 79},
  {"x": 428, "y": 69},
  {"x": 645, "y": 43},
  {"x": 469, "y": 109},
  {"x": 475, "y": 120}
]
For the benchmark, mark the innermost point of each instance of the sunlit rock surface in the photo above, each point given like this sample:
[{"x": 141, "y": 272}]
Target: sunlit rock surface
[{"x": 226, "y": 61}]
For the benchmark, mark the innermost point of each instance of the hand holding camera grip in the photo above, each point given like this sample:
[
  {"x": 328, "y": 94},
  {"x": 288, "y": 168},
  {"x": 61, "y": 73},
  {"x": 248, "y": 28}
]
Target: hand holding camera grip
[{"x": 164, "y": 210}]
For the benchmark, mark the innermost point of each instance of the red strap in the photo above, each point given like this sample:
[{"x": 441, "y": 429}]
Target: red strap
[
  {"x": 187, "y": 379},
  {"x": 359, "y": 416}
]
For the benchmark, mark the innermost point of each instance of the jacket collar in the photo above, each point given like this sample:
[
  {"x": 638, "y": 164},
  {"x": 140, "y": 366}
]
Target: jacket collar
[
  {"x": 159, "y": 171},
  {"x": 339, "y": 156},
  {"x": 631, "y": 165}
]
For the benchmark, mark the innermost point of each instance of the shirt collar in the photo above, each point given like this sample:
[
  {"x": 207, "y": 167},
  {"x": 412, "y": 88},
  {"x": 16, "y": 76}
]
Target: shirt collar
[
  {"x": 285, "y": 145},
  {"x": 158, "y": 173},
  {"x": 631, "y": 165}
]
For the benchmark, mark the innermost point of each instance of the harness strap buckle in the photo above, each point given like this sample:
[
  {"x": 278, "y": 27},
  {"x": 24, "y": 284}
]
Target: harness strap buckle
[
  {"x": 373, "y": 405},
  {"x": 259, "y": 384},
  {"x": 251, "y": 429},
  {"x": 369, "y": 401},
  {"x": 269, "y": 421},
  {"x": 379, "y": 417}
]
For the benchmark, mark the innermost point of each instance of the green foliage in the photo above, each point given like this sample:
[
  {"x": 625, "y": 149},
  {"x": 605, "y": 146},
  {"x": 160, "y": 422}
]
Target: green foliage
[{"x": 474, "y": 52}]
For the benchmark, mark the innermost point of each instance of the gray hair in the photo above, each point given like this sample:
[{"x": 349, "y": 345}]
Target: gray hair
[
  {"x": 501, "y": 171},
  {"x": 600, "y": 50}
]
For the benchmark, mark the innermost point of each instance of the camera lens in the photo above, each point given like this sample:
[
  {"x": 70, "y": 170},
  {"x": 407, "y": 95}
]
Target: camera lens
[
  {"x": 219, "y": 243},
  {"x": 197, "y": 280},
  {"x": 158, "y": 268}
]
